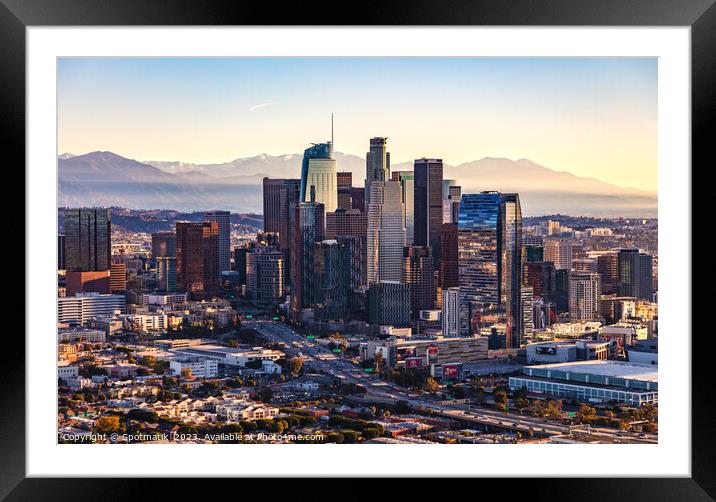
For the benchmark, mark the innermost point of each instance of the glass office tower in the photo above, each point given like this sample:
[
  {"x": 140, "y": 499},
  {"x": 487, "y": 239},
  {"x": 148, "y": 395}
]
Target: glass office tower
[
  {"x": 319, "y": 170},
  {"x": 490, "y": 260},
  {"x": 511, "y": 267}
]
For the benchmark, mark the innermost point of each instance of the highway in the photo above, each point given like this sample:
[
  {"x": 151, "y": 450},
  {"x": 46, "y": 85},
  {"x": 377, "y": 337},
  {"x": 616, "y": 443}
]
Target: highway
[{"x": 323, "y": 360}]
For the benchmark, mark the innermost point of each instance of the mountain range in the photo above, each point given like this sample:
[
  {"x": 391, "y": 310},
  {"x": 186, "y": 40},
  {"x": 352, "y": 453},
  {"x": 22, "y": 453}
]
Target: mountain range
[{"x": 107, "y": 179}]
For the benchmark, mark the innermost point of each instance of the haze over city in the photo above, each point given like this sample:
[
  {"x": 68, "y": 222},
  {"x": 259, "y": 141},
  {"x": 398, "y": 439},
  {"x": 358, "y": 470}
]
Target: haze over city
[{"x": 593, "y": 118}]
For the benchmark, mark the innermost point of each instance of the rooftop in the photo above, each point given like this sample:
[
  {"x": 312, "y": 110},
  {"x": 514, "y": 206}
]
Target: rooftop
[{"x": 606, "y": 368}]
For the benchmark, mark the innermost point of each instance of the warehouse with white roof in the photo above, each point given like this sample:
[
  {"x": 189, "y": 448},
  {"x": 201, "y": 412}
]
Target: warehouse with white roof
[{"x": 598, "y": 381}]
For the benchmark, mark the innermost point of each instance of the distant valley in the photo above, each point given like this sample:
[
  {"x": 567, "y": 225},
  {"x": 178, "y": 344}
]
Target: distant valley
[{"x": 108, "y": 179}]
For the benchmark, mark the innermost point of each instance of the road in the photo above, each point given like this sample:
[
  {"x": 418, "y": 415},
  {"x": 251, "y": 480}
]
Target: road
[{"x": 323, "y": 360}]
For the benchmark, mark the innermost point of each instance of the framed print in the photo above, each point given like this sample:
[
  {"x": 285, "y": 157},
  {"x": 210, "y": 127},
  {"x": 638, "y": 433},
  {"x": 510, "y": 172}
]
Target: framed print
[{"x": 435, "y": 241}]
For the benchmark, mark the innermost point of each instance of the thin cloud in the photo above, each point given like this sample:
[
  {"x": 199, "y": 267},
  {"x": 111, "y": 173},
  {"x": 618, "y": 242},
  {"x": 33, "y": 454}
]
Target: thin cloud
[{"x": 261, "y": 105}]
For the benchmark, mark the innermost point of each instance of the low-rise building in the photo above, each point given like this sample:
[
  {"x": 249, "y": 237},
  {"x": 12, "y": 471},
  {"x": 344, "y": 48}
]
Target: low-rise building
[
  {"x": 73, "y": 335},
  {"x": 567, "y": 351},
  {"x": 599, "y": 381},
  {"x": 200, "y": 367}
]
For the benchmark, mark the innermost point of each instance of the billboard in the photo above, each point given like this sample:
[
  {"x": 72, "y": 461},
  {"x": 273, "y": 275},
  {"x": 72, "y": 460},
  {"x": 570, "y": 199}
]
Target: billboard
[
  {"x": 414, "y": 362},
  {"x": 402, "y": 353},
  {"x": 432, "y": 352},
  {"x": 452, "y": 371},
  {"x": 549, "y": 351}
]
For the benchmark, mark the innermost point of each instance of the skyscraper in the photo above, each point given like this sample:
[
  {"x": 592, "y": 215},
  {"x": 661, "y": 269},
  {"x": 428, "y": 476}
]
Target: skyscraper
[
  {"x": 223, "y": 218},
  {"x": 608, "y": 269},
  {"x": 346, "y": 222},
  {"x": 319, "y": 170},
  {"x": 584, "y": 295},
  {"x": 490, "y": 259},
  {"x": 559, "y": 252},
  {"x": 164, "y": 244},
  {"x": 309, "y": 228},
  {"x": 167, "y": 273},
  {"x": 386, "y": 232},
  {"x": 61, "y": 252},
  {"x": 541, "y": 277},
  {"x": 646, "y": 280},
  {"x": 331, "y": 279},
  {"x": 344, "y": 180},
  {"x": 88, "y": 236},
  {"x": 118, "y": 276},
  {"x": 377, "y": 164},
  {"x": 264, "y": 275},
  {"x": 561, "y": 290},
  {"x": 478, "y": 255},
  {"x": 389, "y": 304},
  {"x": 511, "y": 267},
  {"x": 272, "y": 204},
  {"x": 428, "y": 205},
  {"x": 418, "y": 273},
  {"x": 197, "y": 258},
  {"x": 527, "y": 299},
  {"x": 407, "y": 183},
  {"x": 350, "y": 227},
  {"x": 449, "y": 256},
  {"x": 451, "y": 312},
  {"x": 358, "y": 198},
  {"x": 628, "y": 266}
]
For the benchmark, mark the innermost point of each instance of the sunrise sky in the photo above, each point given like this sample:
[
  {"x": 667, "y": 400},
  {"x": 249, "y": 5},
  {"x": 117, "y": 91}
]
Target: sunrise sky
[{"x": 591, "y": 117}]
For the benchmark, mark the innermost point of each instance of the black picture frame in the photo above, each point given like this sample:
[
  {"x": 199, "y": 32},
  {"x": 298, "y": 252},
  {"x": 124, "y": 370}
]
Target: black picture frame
[{"x": 700, "y": 15}]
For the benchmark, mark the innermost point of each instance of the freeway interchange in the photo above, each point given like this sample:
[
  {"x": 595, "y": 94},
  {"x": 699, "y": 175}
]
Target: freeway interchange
[{"x": 323, "y": 360}]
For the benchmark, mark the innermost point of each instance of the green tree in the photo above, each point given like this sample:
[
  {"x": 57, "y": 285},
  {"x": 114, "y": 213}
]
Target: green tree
[
  {"x": 295, "y": 365},
  {"x": 431, "y": 385},
  {"x": 350, "y": 436},
  {"x": 108, "y": 424},
  {"x": 379, "y": 362},
  {"x": 586, "y": 414}
]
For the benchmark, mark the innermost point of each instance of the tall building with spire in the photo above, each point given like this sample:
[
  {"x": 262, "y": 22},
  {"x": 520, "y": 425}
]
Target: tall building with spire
[{"x": 319, "y": 171}]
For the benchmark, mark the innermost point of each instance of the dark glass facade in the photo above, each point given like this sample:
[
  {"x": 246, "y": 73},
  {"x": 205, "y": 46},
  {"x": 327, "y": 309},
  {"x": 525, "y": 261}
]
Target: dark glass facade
[
  {"x": 223, "y": 219},
  {"x": 331, "y": 280},
  {"x": 449, "y": 256},
  {"x": 418, "y": 272},
  {"x": 197, "y": 258},
  {"x": 164, "y": 244},
  {"x": 309, "y": 228},
  {"x": 511, "y": 268},
  {"x": 88, "y": 234},
  {"x": 428, "y": 204},
  {"x": 628, "y": 272}
]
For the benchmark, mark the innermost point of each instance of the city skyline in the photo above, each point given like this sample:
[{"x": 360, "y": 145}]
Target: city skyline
[{"x": 591, "y": 117}]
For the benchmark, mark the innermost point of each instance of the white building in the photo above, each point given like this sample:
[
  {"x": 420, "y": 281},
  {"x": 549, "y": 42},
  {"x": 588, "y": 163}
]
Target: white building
[
  {"x": 241, "y": 358},
  {"x": 164, "y": 299},
  {"x": 83, "y": 306},
  {"x": 144, "y": 323},
  {"x": 81, "y": 335},
  {"x": 200, "y": 367},
  {"x": 246, "y": 411},
  {"x": 451, "y": 312},
  {"x": 65, "y": 372},
  {"x": 584, "y": 295},
  {"x": 386, "y": 232}
]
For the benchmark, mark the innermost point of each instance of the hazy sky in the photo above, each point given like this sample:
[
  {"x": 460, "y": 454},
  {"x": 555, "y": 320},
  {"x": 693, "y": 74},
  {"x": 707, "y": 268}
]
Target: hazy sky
[{"x": 591, "y": 117}]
